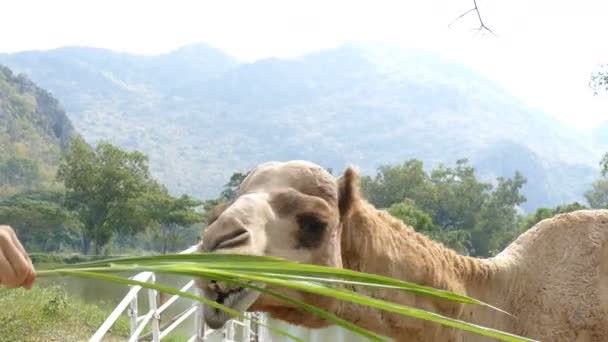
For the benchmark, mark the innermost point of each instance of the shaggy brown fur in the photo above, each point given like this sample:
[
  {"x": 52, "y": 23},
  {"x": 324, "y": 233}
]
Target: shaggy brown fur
[{"x": 553, "y": 278}]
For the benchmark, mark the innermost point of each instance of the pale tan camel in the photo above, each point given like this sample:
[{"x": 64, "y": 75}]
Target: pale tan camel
[{"x": 553, "y": 278}]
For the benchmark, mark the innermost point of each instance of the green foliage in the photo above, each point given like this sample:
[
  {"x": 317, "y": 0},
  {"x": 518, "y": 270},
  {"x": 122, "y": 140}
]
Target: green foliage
[
  {"x": 597, "y": 197},
  {"x": 56, "y": 304},
  {"x": 458, "y": 196},
  {"x": 171, "y": 215},
  {"x": 414, "y": 217},
  {"x": 498, "y": 216},
  {"x": 393, "y": 184},
  {"x": 33, "y": 131},
  {"x": 16, "y": 171},
  {"x": 49, "y": 314},
  {"x": 464, "y": 213},
  {"x": 103, "y": 187},
  {"x": 231, "y": 188},
  {"x": 459, "y": 240},
  {"x": 41, "y": 222}
]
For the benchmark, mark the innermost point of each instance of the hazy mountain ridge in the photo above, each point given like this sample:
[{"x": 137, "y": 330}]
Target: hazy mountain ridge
[
  {"x": 200, "y": 115},
  {"x": 33, "y": 131}
]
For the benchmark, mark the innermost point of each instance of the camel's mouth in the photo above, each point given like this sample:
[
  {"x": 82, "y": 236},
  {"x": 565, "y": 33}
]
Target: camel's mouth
[{"x": 239, "y": 299}]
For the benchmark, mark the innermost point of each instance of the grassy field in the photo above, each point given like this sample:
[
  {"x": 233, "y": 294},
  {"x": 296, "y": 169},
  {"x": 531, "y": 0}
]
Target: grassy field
[{"x": 50, "y": 314}]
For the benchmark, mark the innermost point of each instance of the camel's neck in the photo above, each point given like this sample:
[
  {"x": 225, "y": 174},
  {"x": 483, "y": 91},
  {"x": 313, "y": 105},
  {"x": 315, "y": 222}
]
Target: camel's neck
[{"x": 375, "y": 242}]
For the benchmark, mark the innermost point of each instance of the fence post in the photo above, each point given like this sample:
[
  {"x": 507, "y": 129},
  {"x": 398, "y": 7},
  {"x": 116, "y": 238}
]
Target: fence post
[
  {"x": 133, "y": 313},
  {"x": 152, "y": 299},
  {"x": 229, "y": 331},
  {"x": 262, "y": 332},
  {"x": 199, "y": 317},
  {"x": 247, "y": 328}
]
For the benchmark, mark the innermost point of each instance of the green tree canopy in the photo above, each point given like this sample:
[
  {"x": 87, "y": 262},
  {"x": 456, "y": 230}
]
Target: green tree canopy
[
  {"x": 597, "y": 197},
  {"x": 41, "y": 220},
  {"x": 498, "y": 216},
  {"x": 458, "y": 197},
  {"x": 232, "y": 187},
  {"x": 171, "y": 214},
  {"x": 466, "y": 214},
  {"x": 414, "y": 217},
  {"x": 394, "y": 184},
  {"x": 102, "y": 186}
]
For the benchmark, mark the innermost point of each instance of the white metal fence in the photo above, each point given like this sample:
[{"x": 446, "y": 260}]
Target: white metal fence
[{"x": 234, "y": 331}]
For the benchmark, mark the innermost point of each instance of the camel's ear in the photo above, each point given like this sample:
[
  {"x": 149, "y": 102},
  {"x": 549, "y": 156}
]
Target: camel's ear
[{"x": 348, "y": 187}]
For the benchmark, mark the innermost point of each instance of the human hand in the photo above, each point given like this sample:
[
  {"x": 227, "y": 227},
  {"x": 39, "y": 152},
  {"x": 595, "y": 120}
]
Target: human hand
[{"x": 16, "y": 269}]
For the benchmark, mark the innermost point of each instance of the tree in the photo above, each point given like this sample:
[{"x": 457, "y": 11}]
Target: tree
[
  {"x": 458, "y": 197},
  {"x": 597, "y": 197},
  {"x": 40, "y": 220},
  {"x": 232, "y": 187},
  {"x": 101, "y": 187},
  {"x": 422, "y": 222},
  {"x": 172, "y": 215},
  {"x": 497, "y": 218},
  {"x": 414, "y": 217},
  {"x": 466, "y": 214},
  {"x": 475, "y": 9},
  {"x": 394, "y": 184}
]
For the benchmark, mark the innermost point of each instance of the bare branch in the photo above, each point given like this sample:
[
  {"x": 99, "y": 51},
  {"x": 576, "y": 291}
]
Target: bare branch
[
  {"x": 461, "y": 16},
  {"x": 482, "y": 25}
]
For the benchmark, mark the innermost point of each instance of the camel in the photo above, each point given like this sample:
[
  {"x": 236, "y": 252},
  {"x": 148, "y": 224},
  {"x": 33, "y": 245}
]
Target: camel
[{"x": 553, "y": 278}]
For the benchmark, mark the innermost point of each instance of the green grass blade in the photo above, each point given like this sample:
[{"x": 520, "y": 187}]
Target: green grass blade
[
  {"x": 313, "y": 309},
  {"x": 180, "y": 258},
  {"x": 250, "y": 263},
  {"x": 351, "y": 297},
  {"x": 289, "y": 274},
  {"x": 170, "y": 290}
]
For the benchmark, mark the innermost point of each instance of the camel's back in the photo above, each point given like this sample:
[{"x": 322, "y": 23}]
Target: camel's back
[{"x": 556, "y": 278}]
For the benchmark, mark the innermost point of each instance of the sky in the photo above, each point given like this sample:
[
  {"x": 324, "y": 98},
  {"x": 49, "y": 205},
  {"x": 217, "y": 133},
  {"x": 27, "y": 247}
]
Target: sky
[{"x": 542, "y": 51}]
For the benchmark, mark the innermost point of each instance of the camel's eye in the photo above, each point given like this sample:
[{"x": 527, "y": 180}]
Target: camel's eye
[{"x": 312, "y": 230}]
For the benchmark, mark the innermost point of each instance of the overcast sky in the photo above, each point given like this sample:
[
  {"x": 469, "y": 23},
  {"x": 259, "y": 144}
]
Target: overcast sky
[{"x": 544, "y": 50}]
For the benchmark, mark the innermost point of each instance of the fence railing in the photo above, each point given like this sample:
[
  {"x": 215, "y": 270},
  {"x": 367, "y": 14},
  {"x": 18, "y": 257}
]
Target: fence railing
[{"x": 235, "y": 330}]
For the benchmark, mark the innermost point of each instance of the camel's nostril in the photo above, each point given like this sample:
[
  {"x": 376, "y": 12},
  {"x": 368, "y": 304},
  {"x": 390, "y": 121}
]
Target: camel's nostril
[{"x": 235, "y": 239}]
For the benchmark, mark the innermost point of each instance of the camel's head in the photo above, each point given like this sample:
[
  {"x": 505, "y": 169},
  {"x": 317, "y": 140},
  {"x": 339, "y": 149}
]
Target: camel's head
[{"x": 291, "y": 210}]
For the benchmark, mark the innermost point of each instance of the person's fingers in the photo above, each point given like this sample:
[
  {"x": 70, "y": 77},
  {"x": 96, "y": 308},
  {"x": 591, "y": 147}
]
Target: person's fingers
[
  {"x": 31, "y": 274},
  {"x": 29, "y": 281},
  {"x": 16, "y": 260},
  {"x": 7, "y": 274},
  {"x": 17, "y": 242}
]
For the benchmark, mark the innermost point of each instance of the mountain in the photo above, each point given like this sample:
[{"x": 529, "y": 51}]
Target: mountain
[
  {"x": 33, "y": 131},
  {"x": 201, "y": 115}
]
